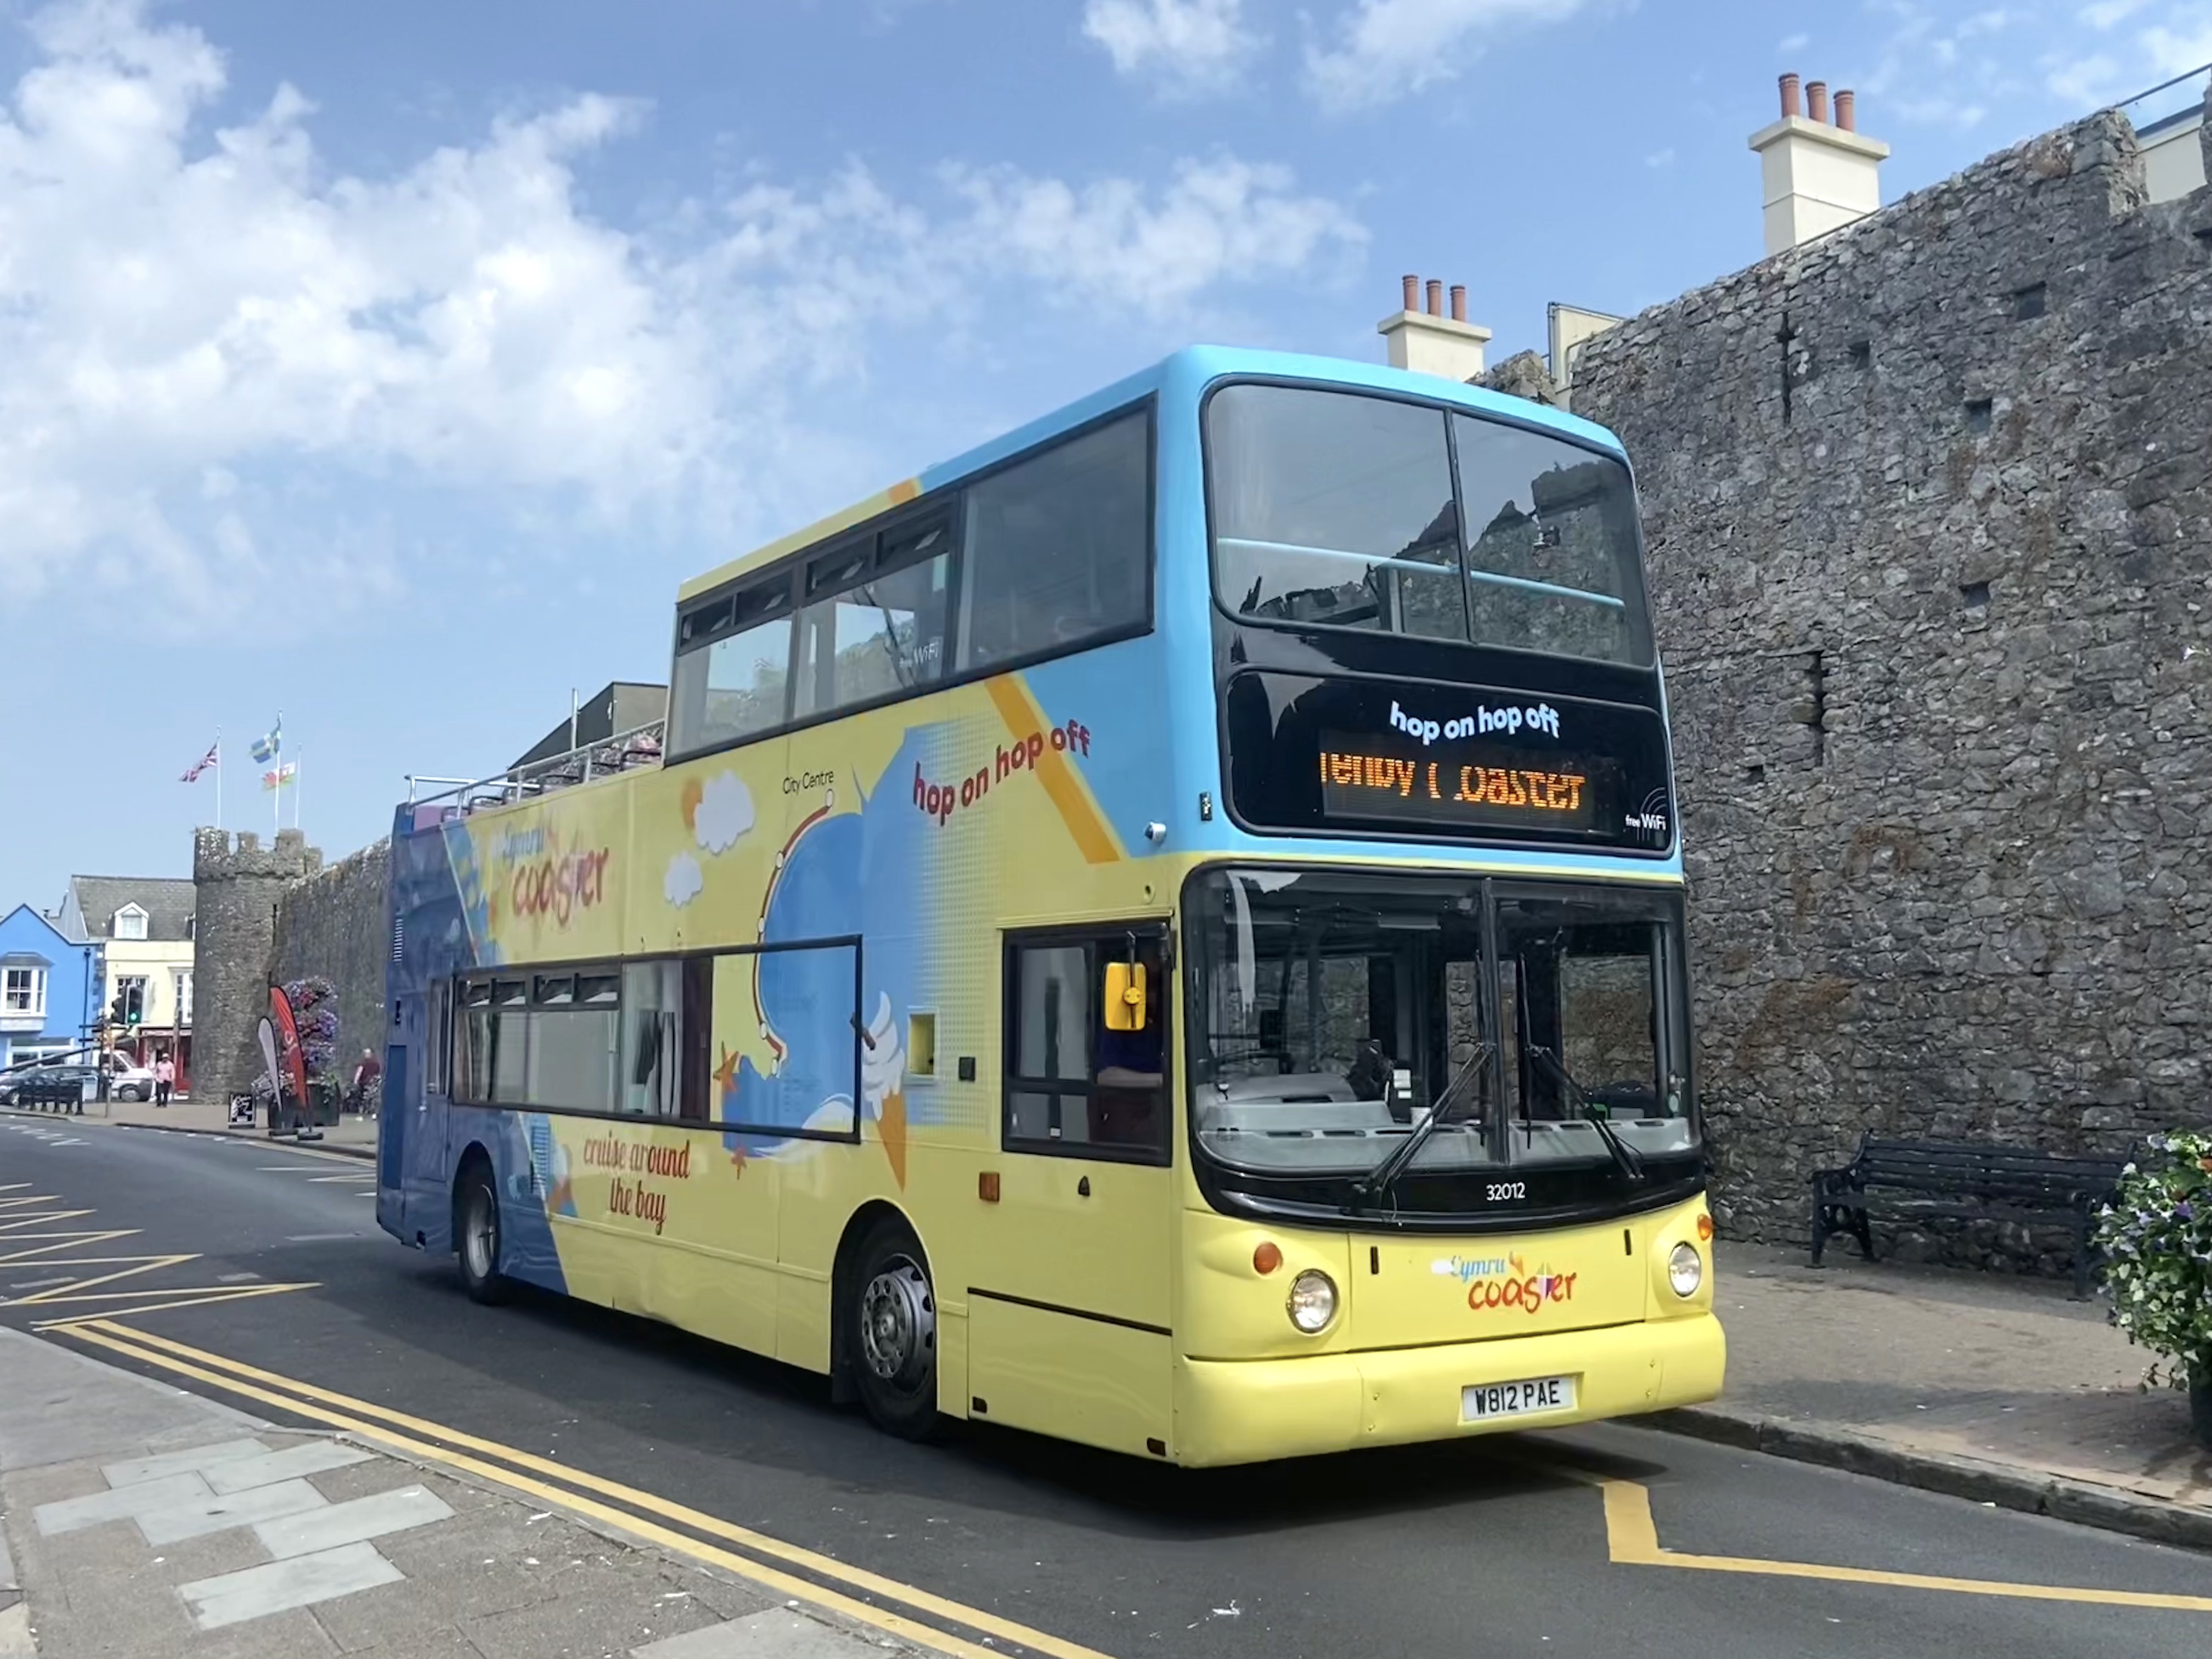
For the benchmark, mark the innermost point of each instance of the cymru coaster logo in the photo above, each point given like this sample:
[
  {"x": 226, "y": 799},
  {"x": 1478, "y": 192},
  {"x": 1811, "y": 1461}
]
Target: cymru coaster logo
[{"x": 1506, "y": 1282}]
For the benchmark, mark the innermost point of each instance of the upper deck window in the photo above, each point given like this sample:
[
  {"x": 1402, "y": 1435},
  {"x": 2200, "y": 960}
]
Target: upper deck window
[
  {"x": 1348, "y": 511},
  {"x": 1049, "y": 554},
  {"x": 1059, "y": 548}
]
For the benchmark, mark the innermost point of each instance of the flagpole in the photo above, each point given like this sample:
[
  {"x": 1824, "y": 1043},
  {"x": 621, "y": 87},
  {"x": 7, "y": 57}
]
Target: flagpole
[
  {"x": 218, "y": 777},
  {"x": 296, "y": 786}
]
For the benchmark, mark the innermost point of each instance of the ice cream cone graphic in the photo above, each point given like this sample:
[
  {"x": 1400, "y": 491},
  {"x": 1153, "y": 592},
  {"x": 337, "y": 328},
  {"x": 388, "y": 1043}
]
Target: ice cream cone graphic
[{"x": 891, "y": 1124}]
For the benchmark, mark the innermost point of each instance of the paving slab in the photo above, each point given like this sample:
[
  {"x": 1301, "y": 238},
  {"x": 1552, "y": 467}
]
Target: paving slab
[
  {"x": 277, "y": 1586},
  {"x": 238, "y": 1475},
  {"x": 168, "y": 1523},
  {"x": 355, "y": 1521},
  {"x": 778, "y": 1633}
]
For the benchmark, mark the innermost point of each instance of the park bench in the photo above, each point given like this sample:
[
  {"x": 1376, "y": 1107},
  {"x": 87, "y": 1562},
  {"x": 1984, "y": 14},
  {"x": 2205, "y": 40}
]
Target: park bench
[{"x": 1912, "y": 1180}]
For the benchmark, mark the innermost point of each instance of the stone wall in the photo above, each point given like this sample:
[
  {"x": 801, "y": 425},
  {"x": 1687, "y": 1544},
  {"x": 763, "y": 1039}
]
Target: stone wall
[
  {"x": 336, "y": 923},
  {"x": 239, "y": 885},
  {"x": 1928, "y": 504}
]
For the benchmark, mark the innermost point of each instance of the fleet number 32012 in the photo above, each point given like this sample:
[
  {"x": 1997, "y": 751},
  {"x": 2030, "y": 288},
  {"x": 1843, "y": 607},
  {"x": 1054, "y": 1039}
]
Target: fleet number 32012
[{"x": 1504, "y": 1192}]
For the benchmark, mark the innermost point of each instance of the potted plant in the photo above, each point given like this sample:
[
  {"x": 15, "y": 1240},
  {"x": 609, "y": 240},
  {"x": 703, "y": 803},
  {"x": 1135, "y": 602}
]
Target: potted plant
[{"x": 2156, "y": 1236}]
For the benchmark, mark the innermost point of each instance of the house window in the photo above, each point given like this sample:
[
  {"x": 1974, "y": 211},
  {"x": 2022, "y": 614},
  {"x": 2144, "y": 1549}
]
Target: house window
[
  {"x": 23, "y": 991},
  {"x": 184, "y": 998},
  {"x": 130, "y": 922}
]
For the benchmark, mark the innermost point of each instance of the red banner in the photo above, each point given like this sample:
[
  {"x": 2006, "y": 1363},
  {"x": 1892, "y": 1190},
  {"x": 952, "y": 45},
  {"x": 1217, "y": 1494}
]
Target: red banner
[{"x": 293, "y": 1060}]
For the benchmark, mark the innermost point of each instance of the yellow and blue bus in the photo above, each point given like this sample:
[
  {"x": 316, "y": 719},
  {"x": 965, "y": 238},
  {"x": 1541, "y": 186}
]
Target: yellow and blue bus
[{"x": 1165, "y": 931}]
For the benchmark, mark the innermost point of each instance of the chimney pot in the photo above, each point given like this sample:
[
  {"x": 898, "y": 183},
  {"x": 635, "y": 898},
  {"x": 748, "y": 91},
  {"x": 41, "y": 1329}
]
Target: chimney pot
[
  {"x": 1791, "y": 106},
  {"x": 1847, "y": 110},
  {"x": 1459, "y": 302},
  {"x": 1435, "y": 298},
  {"x": 1816, "y": 100},
  {"x": 1413, "y": 293}
]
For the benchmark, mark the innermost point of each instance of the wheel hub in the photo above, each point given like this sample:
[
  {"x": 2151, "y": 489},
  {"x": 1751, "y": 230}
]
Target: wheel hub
[{"x": 898, "y": 1324}]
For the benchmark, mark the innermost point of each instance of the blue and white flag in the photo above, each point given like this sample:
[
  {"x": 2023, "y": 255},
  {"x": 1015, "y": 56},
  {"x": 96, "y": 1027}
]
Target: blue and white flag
[{"x": 265, "y": 747}]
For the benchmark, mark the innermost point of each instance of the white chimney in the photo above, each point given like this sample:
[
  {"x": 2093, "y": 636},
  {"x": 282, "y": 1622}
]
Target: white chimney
[
  {"x": 1819, "y": 176},
  {"x": 1430, "y": 342}
]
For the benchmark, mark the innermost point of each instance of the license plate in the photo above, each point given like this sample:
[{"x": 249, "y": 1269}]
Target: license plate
[{"x": 1481, "y": 1402}]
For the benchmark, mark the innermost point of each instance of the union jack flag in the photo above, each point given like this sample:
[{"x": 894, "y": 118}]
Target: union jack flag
[{"x": 193, "y": 772}]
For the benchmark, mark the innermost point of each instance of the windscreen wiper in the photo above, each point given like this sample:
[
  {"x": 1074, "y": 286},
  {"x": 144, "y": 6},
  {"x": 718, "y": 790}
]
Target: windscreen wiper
[
  {"x": 1377, "y": 1180},
  {"x": 1625, "y": 1157}
]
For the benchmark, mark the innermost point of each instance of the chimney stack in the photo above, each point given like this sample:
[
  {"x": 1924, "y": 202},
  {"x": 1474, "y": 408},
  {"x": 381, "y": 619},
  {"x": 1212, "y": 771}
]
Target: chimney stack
[
  {"x": 1428, "y": 342},
  {"x": 1817, "y": 177}
]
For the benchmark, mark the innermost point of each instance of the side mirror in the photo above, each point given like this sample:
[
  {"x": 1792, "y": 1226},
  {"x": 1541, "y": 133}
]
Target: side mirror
[{"x": 1125, "y": 996}]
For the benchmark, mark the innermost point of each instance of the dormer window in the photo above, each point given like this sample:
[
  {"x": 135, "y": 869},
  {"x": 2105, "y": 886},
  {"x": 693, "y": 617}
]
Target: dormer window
[{"x": 130, "y": 922}]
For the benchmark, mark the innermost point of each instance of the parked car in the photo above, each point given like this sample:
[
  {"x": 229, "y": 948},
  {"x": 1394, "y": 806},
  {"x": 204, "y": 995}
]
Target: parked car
[
  {"x": 12, "y": 1084},
  {"x": 127, "y": 1081}
]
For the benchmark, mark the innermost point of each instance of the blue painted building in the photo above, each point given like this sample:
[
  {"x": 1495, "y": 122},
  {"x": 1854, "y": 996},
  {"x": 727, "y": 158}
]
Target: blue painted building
[{"x": 50, "y": 987}]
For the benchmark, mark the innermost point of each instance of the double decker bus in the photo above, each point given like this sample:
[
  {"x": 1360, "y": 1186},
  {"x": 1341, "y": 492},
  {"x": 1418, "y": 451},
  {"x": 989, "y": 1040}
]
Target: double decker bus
[{"x": 1165, "y": 931}]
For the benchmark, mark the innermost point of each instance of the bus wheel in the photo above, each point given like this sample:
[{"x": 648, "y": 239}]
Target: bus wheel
[
  {"x": 894, "y": 1333},
  {"x": 476, "y": 1235}
]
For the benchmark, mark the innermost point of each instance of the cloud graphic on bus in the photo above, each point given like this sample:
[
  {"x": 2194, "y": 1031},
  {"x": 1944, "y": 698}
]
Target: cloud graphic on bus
[
  {"x": 683, "y": 881},
  {"x": 723, "y": 813}
]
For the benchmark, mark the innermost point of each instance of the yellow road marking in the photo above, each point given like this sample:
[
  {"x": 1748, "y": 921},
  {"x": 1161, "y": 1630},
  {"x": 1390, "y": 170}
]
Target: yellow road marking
[
  {"x": 1633, "y": 1539},
  {"x": 317, "y": 1181},
  {"x": 17, "y": 1223},
  {"x": 13, "y": 1186},
  {"x": 18, "y": 1203},
  {"x": 228, "y": 1293},
  {"x": 60, "y": 1242},
  {"x": 296, "y": 1396},
  {"x": 72, "y": 1292}
]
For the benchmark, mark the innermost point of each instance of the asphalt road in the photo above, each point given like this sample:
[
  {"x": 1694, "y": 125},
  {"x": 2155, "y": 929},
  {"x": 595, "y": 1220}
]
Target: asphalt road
[{"x": 1478, "y": 1547}]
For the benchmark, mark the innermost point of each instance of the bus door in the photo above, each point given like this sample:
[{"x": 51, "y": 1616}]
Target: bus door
[{"x": 1069, "y": 1300}]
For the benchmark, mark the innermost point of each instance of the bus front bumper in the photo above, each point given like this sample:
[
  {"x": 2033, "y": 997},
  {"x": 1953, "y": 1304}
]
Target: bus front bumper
[{"x": 1248, "y": 1411}]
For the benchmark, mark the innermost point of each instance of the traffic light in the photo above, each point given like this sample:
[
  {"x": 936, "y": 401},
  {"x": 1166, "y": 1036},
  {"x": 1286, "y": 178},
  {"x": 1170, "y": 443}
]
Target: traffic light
[
  {"x": 115, "y": 1010},
  {"x": 134, "y": 1007}
]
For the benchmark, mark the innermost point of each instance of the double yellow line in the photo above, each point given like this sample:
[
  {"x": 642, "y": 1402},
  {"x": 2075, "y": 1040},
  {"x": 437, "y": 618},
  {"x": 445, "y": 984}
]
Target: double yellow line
[{"x": 929, "y": 1621}]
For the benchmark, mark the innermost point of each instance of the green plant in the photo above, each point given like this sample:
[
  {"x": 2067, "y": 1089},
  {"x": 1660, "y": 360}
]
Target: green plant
[{"x": 2156, "y": 1236}]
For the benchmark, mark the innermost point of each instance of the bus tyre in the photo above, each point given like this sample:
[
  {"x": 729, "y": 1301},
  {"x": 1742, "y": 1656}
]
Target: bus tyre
[
  {"x": 892, "y": 1333},
  {"x": 476, "y": 1238}
]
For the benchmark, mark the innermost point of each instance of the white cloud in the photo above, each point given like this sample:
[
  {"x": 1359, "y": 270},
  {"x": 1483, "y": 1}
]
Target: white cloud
[
  {"x": 726, "y": 813},
  {"x": 219, "y": 346},
  {"x": 1113, "y": 246},
  {"x": 1191, "y": 45},
  {"x": 2105, "y": 13},
  {"x": 1386, "y": 49},
  {"x": 1796, "y": 42},
  {"x": 683, "y": 882},
  {"x": 1660, "y": 158}
]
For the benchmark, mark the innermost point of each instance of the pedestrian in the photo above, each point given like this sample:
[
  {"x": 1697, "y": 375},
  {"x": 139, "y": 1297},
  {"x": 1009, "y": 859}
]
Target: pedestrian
[
  {"x": 165, "y": 1077},
  {"x": 366, "y": 1077}
]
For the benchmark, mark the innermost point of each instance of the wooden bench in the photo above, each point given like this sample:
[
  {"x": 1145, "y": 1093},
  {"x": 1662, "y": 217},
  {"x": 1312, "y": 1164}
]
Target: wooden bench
[{"x": 1910, "y": 1180}]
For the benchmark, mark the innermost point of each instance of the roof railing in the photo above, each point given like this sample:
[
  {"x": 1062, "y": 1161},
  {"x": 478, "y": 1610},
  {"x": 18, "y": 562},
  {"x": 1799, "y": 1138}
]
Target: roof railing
[{"x": 623, "y": 752}]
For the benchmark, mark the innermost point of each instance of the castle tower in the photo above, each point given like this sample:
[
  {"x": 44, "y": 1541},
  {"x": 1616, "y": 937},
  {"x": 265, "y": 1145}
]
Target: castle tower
[{"x": 237, "y": 884}]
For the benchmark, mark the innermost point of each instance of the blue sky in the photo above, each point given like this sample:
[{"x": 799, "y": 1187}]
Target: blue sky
[{"x": 390, "y": 366}]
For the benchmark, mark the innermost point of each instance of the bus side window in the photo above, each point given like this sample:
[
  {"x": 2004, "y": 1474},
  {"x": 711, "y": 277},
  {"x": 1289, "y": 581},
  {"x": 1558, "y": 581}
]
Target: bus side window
[{"x": 1073, "y": 1086}]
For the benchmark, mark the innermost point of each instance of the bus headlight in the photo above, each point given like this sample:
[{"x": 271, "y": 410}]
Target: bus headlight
[
  {"x": 1685, "y": 1270},
  {"x": 1313, "y": 1301}
]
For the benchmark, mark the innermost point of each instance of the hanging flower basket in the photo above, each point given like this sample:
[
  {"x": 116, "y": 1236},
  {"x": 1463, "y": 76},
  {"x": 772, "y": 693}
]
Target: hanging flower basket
[{"x": 2156, "y": 1235}]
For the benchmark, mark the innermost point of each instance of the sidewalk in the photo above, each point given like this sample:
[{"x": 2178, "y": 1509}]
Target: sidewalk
[
  {"x": 2005, "y": 1391},
  {"x": 354, "y": 1136},
  {"x": 150, "y": 1523}
]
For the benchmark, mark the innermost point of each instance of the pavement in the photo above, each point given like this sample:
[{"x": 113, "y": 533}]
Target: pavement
[
  {"x": 2003, "y": 1390},
  {"x": 252, "y": 1275},
  {"x": 352, "y": 1135},
  {"x": 146, "y": 1522}
]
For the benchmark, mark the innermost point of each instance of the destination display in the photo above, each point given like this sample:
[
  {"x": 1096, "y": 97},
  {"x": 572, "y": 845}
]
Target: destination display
[
  {"x": 1461, "y": 763},
  {"x": 1460, "y": 783}
]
